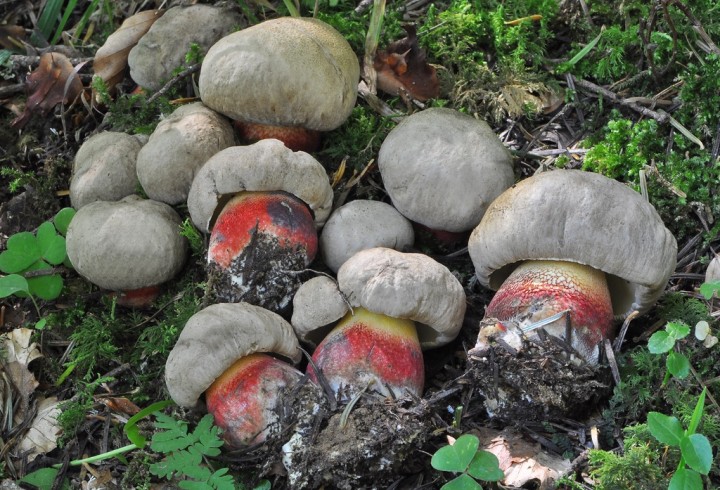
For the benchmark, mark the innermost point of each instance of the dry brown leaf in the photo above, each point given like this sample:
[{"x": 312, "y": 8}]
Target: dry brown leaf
[
  {"x": 54, "y": 81},
  {"x": 11, "y": 36},
  {"x": 111, "y": 59},
  {"x": 523, "y": 461},
  {"x": 402, "y": 69},
  {"x": 42, "y": 435},
  {"x": 20, "y": 353}
]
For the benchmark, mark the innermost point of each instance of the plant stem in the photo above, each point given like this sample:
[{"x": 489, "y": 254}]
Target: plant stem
[{"x": 100, "y": 457}]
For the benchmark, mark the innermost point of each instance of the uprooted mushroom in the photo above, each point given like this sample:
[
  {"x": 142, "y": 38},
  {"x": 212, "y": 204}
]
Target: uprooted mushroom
[
  {"x": 287, "y": 78},
  {"x": 228, "y": 351},
  {"x": 263, "y": 203},
  {"x": 568, "y": 252},
  {"x": 390, "y": 305}
]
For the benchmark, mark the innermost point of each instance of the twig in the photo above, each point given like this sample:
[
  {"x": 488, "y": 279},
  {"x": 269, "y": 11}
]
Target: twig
[
  {"x": 166, "y": 88},
  {"x": 623, "y": 330},
  {"x": 12, "y": 89},
  {"x": 613, "y": 97},
  {"x": 20, "y": 61},
  {"x": 611, "y": 360}
]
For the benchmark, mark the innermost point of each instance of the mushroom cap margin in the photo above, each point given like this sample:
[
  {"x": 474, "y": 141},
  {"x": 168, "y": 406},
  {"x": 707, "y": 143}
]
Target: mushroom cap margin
[
  {"x": 214, "y": 338},
  {"x": 267, "y": 165},
  {"x": 580, "y": 217}
]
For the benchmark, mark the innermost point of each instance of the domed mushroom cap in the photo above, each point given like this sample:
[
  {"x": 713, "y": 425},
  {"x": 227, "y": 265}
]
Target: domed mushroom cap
[
  {"x": 583, "y": 217},
  {"x": 712, "y": 273},
  {"x": 318, "y": 302},
  {"x": 442, "y": 168},
  {"x": 178, "y": 147},
  {"x": 284, "y": 72},
  {"x": 399, "y": 285},
  {"x": 214, "y": 338},
  {"x": 104, "y": 168},
  {"x": 263, "y": 166},
  {"x": 162, "y": 49},
  {"x": 363, "y": 224},
  {"x": 128, "y": 244}
]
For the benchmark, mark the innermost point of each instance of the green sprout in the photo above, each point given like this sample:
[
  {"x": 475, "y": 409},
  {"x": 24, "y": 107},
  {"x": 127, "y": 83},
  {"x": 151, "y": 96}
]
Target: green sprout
[{"x": 472, "y": 463}]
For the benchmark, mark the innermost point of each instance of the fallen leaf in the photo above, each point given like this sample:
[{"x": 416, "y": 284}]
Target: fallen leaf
[
  {"x": 11, "y": 37},
  {"x": 20, "y": 352},
  {"x": 523, "y": 461},
  {"x": 52, "y": 82},
  {"x": 120, "y": 405},
  {"x": 42, "y": 435},
  {"x": 111, "y": 59},
  {"x": 402, "y": 69}
]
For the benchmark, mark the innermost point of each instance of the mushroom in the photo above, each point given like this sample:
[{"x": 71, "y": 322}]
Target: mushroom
[
  {"x": 576, "y": 241},
  {"x": 285, "y": 78},
  {"x": 269, "y": 201},
  {"x": 104, "y": 168},
  {"x": 130, "y": 246},
  {"x": 227, "y": 352},
  {"x": 442, "y": 169},
  {"x": 164, "y": 47},
  {"x": 396, "y": 305},
  {"x": 178, "y": 147},
  {"x": 362, "y": 224}
]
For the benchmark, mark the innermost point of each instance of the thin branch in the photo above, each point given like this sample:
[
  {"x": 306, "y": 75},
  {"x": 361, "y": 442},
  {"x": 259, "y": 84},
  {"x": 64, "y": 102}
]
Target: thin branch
[
  {"x": 166, "y": 88},
  {"x": 661, "y": 118}
]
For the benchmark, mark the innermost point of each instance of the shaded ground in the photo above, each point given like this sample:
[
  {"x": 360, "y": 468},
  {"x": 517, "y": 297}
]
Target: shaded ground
[{"x": 106, "y": 362}]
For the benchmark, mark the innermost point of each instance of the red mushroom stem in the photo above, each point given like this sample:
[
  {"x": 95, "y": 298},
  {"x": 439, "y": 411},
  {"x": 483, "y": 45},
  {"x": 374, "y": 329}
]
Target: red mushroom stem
[
  {"x": 257, "y": 242},
  {"x": 536, "y": 290},
  {"x": 367, "y": 349},
  {"x": 244, "y": 398},
  {"x": 294, "y": 137}
]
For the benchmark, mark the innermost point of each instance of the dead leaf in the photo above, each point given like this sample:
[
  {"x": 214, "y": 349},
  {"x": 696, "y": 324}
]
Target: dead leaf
[
  {"x": 52, "y": 82},
  {"x": 11, "y": 37},
  {"x": 120, "y": 405},
  {"x": 20, "y": 353},
  {"x": 111, "y": 59},
  {"x": 523, "y": 461},
  {"x": 42, "y": 435},
  {"x": 402, "y": 69}
]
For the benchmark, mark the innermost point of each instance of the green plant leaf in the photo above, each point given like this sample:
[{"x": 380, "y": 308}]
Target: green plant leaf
[
  {"x": 697, "y": 452},
  {"x": 707, "y": 289},
  {"x": 485, "y": 466},
  {"x": 678, "y": 365},
  {"x": 41, "y": 324},
  {"x": 564, "y": 67},
  {"x": 12, "y": 284},
  {"x": 457, "y": 457},
  {"x": 22, "y": 251},
  {"x": 62, "y": 220},
  {"x": 677, "y": 330},
  {"x": 462, "y": 482},
  {"x": 685, "y": 479},
  {"x": 43, "y": 479},
  {"x": 131, "y": 430},
  {"x": 52, "y": 245},
  {"x": 45, "y": 287},
  {"x": 660, "y": 342},
  {"x": 697, "y": 413},
  {"x": 665, "y": 428}
]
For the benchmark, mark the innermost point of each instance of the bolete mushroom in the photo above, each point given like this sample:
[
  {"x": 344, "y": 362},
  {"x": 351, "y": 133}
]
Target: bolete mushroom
[
  {"x": 227, "y": 352},
  {"x": 164, "y": 47},
  {"x": 442, "y": 169},
  {"x": 130, "y": 246},
  {"x": 285, "y": 78},
  {"x": 178, "y": 147},
  {"x": 571, "y": 248},
  {"x": 362, "y": 224},
  {"x": 395, "y": 304},
  {"x": 104, "y": 168},
  {"x": 263, "y": 203}
]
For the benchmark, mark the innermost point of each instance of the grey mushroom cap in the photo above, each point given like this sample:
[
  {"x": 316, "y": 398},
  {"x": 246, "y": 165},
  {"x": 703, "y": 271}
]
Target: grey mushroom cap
[
  {"x": 712, "y": 274},
  {"x": 317, "y": 303},
  {"x": 362, "y": 224},
  {"x": 400, "y": 285},
  {"x": 286, "y": 72},
  {"x": 104, "y": 168},
  {"x": 442, "y": 168},
  {"x": 128, "y": 244},
  {"x": 214, "y": 338},
  {"x": 179, "y": 146},
  {"x": 583, "y": 217},
  {"x": 267, "y": 165},
  {"x": 163, "y": 48}
]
